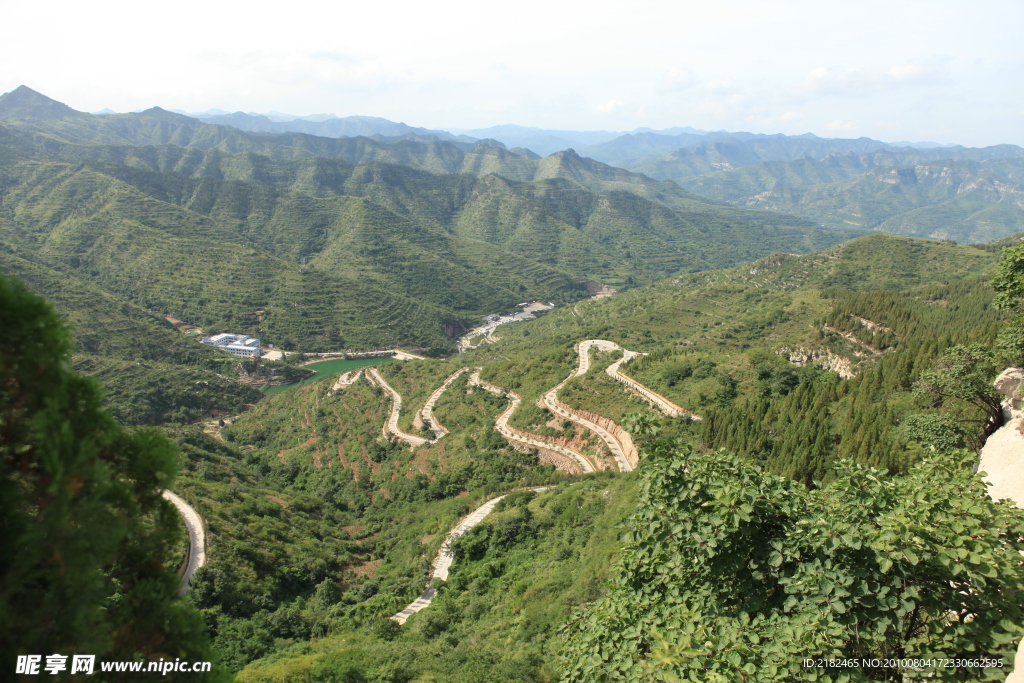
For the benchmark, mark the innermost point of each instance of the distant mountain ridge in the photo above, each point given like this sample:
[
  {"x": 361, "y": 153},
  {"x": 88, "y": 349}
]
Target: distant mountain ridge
[
  {"x": 348, "y": 126},
  {"x": 343, "y": 242},
  {"x": 135, "y": 139},
  {"x": 943, "y": 193},
  {"x": 746, "y": 170},
  {"x": 733, "y": 153}
]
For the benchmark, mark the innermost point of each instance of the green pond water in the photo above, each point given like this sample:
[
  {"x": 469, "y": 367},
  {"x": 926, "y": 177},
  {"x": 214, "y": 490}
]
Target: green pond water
[{"x": 328, "y": 367}]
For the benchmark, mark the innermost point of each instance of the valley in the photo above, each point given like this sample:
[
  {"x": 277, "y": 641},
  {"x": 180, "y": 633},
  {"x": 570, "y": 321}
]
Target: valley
[
  {"x": 533, "y": 357},
  {"x": 734, "y": 421}
]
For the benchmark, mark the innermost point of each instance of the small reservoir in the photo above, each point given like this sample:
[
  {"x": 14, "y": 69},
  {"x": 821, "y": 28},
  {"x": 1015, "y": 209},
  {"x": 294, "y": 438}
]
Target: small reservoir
[{"x": 325, "y": 368}]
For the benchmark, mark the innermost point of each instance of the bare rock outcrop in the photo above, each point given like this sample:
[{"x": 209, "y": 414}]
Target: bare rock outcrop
[
  {"x": 1010, "y": 384},
  {"x": 823, "y": 358},
  {"x": 1002, "y": 461}
]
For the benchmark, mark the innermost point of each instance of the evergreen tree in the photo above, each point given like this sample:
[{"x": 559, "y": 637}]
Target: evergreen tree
[{"x": 82, "y": 523}]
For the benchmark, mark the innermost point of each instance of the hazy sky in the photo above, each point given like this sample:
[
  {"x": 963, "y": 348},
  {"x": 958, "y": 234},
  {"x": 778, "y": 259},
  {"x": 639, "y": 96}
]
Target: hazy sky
[{"x": 943, "y": 70}]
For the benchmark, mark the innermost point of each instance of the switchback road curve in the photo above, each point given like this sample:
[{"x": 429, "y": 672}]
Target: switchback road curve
[{"x": 196, "y": 538}]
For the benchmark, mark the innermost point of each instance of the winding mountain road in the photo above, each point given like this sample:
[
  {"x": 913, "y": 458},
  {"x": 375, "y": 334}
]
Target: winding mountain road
[
  {"x": 618, "y": 442},
  {"x": 501, "y": 424},
  {"x": 426, "y": 413},
  {"x": 444, "y": 559},
  {"x": 196, "y": 538},
  {"x": 657, "y": 400},
  {"x": 347, "y": 379},
  {"x": 391, "y": 425}
]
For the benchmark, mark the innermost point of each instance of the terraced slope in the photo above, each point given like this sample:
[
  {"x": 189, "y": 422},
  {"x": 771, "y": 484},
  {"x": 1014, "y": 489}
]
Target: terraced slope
[{"x": 618, "y": 441}]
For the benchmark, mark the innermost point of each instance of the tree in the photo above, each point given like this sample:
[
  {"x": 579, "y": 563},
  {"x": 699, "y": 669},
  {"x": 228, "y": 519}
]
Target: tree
[
  {"x": 1009, "y": 285},
  {"x": 934, "y": 431},
  {"x": 731, "y": 573},
  {"x": 961, "y": 383},
  {"x": 83, "y": 527}
]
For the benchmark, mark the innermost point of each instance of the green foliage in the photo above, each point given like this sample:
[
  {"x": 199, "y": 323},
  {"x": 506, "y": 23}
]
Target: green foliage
[
  {"x": 961, "y": 381},
  {"x": 730, "y": 569},
  {"x": 497, "y": 617},
  {"x": 83, "y": 524},
  {"x": 150, "y": 393},
  {"x": 938, "y": 432},
  {"x": 1009, "y": 286},
  {"x": 799, "y": 433}
]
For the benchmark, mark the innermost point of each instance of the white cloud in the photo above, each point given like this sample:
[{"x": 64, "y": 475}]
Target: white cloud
[
  {"x": 609, "y": 106},
  {"x": 841, "y": 80},
  {"x": 719, "y": 85},
  {"x": 843, "y": 125},
  {"x": 741, "y": 64},
  {"x": 791, "y": 116},
  {"x": 678, "y": 78}
]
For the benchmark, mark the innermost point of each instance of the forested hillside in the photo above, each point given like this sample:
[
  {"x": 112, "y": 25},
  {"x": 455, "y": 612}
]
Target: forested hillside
[
  {"x": 967, "y": 201},
  {"x": 347, "y": 249},
  {"x": 742, "y": 348},
  {"x": 966, "y": 194}
]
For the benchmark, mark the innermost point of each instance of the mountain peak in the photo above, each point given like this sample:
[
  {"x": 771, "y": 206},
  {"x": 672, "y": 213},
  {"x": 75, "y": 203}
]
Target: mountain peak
[
  {"x": 161, "y": 113},
  {"x": 25, "y": 104}
]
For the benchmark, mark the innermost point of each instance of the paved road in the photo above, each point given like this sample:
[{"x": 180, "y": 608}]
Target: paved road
[
  {"x": 391, "y": 425},
  {"x": 347, "y": 379},
  {"x": 617, "y": 449},
  {"x": 196, "y": 538},
  {"x": 615, "y": 446},
  {"x": 501, "y": 424},
  {"x": 427, "y": 411},
  {"x": 444, "y": 559},
  {"x": 660, "y": 402},
  {"x": 621, "y": 447}
]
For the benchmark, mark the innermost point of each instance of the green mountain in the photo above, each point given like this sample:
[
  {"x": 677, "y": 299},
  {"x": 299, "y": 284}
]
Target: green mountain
[
  {"x": 321, "y": 244},
  {"x": 460, "y": 243},
  {"x": 967, "y": 201},
  {"x": 134, "y": 219},
  {"x": 331, "y": 127},
  {"x": 162, "y": 135},
  {"x": 678, "y": 154},
  {"x": 728, "y": 154}
]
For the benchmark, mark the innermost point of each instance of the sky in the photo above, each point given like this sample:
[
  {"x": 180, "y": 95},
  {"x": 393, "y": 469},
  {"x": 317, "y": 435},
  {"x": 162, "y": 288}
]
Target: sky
[{"x": 895, "y": 70}]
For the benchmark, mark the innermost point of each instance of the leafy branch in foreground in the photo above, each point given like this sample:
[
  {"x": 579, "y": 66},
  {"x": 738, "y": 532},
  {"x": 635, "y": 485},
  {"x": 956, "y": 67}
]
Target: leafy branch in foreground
[
  {"x": 961, "y": 381},
  {"x": 731, "y": 573}
]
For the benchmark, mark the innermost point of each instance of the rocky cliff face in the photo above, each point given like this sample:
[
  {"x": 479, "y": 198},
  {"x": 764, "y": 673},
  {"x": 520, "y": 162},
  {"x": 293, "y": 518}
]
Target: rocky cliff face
[
  {"x": 1002, "y": 461},
  {"x": 823, "y": 358}
]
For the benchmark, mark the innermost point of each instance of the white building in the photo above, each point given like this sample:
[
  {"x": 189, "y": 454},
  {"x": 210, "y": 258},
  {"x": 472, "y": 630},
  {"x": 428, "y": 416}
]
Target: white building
[{"x": 239, "y": 345}]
